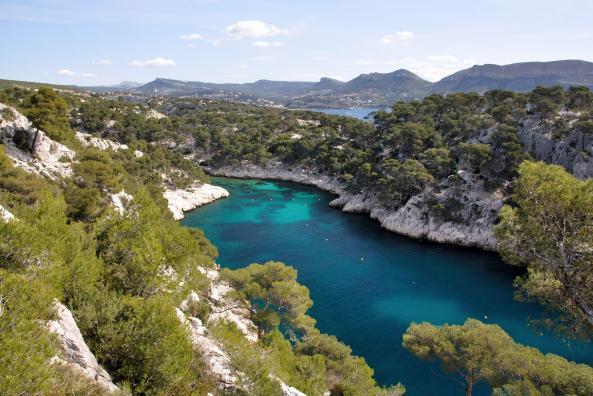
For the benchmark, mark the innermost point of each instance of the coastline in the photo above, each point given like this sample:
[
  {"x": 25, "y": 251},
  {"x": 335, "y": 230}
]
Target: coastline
[
  {"x": 411, "y": 220},
  {"x": 184, "y": 200}
]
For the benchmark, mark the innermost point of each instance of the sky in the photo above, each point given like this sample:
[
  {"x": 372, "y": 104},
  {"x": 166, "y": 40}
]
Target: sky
[{"x": 102, "y": 42}]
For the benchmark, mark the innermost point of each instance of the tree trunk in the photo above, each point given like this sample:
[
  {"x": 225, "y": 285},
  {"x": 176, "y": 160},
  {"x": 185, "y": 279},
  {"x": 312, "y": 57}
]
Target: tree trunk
[{"x": 469, "y": 385}]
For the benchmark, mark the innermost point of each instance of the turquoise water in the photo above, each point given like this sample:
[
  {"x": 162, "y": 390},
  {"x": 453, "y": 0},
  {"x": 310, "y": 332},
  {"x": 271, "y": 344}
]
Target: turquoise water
[{"x": 368, "y": 284}]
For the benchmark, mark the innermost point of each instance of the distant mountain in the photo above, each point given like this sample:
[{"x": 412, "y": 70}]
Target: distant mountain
[
  {"x": 263, "y": 88},
  {"x": 374, "y": 89},
  {"x": 129, "y": 84},
  {"x": 402, "y": 81},
  {"x": 327, "y": 84},
  {"x": 518, "y": 77}
]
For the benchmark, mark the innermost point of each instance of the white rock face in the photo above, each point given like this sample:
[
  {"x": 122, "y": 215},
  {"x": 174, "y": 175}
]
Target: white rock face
[
  {"x": 184, "y": 200},
  {"x": 5, "y": 215},
  {"x": 288, "y": 390},
  {"x": 102, "y": 144},
  {"x": 74, "y": 349},
  {"x": 152, "y": 113},
  {"x": 45, "y": 157},
  {"x": 573, "y": 151},
  {"x": 415, "y": 219},
  {"x": 120, "y": 200},
  {"x": 214, "y": 356},
  {"x": 225, "y": 308}
]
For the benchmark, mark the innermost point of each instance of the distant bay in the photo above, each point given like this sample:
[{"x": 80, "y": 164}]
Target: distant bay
[{"x": 361, "y": 112}]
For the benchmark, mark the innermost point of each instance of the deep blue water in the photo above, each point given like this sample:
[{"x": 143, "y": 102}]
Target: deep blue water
[
  {"x": 359, "y": 113},
  {"x": 368, "y": 284}
]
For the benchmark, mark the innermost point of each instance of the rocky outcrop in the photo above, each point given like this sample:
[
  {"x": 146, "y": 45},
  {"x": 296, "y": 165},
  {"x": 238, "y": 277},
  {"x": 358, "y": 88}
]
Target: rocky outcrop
[
  {"x": 31, "y": 149},
  {"x": 461, "y": 213},
  {"x": 288, "y": 390},
  {"x": 223, "y": 308},
  {"x": 217, "y": 360},
  {"x": 573, "y": 151},
  {"x": 5, "y": 215},
  {"x": 87, "y": 140},
  {"x": 120, "y": 201},
  {"x": 228, "y": 309},
  {"x": 181, "y": 200},
  {"x": 152, "y": 113},
  {"x": 75, "y": 352}
]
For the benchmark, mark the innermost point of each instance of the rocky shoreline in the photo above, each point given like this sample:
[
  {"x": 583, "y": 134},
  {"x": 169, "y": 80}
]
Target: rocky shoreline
[
  {"x": 181, "y": 201},
  {"x": 414, "y": 219}
]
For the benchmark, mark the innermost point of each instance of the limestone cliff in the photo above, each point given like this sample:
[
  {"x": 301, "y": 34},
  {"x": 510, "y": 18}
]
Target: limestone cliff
[
  {"x": 75, "y": 351},
  {"x": 31, "y": 149},
  {"x": 573, "y": 150},
  {"x": 183, "y": 200}
]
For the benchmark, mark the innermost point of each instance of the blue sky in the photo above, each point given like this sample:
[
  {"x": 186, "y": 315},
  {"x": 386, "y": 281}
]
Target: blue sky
[{"x": 107, "y": 41}]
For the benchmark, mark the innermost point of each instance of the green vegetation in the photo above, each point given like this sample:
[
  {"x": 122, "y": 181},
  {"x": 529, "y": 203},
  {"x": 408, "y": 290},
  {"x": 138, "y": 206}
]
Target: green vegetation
[
  {"x": 550, "y": 230},
  {"x": 477, "y": 352},
  {"x": 122, "y": 274},
  {"x": 278, "y": 305},
  {"x": 48, "y": 111}
]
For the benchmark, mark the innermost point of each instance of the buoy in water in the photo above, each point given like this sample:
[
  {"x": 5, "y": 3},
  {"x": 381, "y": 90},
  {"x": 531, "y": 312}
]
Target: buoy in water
[{"x": 485, "y": 316}]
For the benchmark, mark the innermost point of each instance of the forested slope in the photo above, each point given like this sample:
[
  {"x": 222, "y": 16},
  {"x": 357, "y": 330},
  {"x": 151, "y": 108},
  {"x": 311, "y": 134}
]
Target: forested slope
[
  {"x": 160, "y": 318},
  {"x": 92, "y": 266}
]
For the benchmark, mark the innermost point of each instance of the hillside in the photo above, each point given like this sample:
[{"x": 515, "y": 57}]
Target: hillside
[
  {"x": 107, "y": 294},
  {"x": 518, "y": 77},
  {"x": 103, "y": 293}
]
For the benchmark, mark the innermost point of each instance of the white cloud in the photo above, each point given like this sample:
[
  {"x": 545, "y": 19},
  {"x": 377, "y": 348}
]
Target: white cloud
[
  {"x": 66, "y": 73},
  {"x": 403, "y": 37},
  {"x": 105, "y": 61},
  {"x": 443, "y": 58},
  {"x": 252, "y": 29},
  {"x": 88, "y": 75},
  {"x": 190, "y": 37},
  {"x": 263, "y": 58},
  {"x": 243, "y": 66},
  {"x": 264, "y": 44},
  {"x": 154, "y": 62}
]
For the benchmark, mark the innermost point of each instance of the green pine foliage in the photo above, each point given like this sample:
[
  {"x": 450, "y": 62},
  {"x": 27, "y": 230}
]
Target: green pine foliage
[{"x": 122, "y": 274}]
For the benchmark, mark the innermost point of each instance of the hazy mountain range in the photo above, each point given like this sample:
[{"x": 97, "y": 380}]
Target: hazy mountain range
[{"x": 375, "y": 89}]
